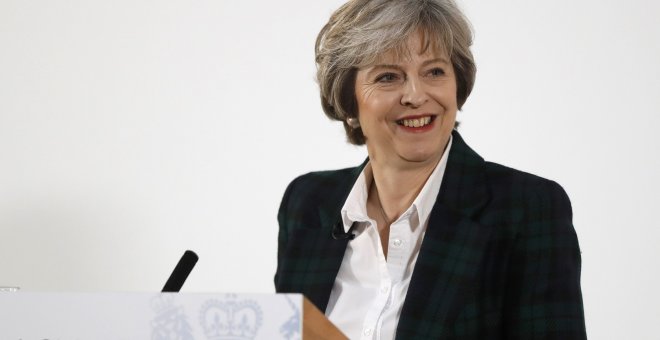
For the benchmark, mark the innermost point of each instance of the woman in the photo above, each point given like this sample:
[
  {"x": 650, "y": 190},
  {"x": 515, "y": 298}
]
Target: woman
[{"x": 425, "y": 239}]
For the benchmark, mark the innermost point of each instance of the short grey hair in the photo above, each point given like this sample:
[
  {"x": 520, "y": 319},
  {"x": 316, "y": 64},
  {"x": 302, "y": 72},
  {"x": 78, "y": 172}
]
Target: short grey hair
[{"x": 361, "y": 30}]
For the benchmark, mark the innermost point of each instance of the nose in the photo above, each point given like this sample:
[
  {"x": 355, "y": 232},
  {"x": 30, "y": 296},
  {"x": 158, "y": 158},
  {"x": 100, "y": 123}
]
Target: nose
[{"x": 413, "y": 94}]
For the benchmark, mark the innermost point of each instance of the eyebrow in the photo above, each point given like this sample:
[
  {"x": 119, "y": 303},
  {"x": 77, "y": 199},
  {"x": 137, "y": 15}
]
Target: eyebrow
[
  {"x": 398, "y": 67},
  {"x": 435, "y": 60}
]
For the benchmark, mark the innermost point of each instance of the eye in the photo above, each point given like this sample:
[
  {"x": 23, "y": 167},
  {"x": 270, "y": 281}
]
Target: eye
[
  {"x": 436, "y": 72},
  {"x": 388, "y": 77}
]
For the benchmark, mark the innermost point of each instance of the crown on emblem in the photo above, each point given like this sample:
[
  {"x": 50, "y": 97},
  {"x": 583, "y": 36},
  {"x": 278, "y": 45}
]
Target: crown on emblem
[{"x": 230, "y": 319}]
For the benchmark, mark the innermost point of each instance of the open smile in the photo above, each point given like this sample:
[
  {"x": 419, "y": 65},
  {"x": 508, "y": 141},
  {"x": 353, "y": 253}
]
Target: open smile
[{"x": 416, "y": 123}]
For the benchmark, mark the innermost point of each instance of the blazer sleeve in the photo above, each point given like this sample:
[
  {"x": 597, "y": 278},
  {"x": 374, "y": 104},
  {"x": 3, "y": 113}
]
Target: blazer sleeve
[
  {"x": 282, "y": 237},
  {"x": 543, "y": 295}
]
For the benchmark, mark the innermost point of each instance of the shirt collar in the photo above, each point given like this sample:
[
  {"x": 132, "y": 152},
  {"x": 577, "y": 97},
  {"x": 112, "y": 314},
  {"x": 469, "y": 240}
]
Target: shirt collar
[{"x": 355, "y": 207}]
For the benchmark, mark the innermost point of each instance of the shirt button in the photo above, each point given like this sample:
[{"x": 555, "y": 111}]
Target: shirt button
[
  {"x": 397, "y": 242},
  {"x": 367, "y": 331}
]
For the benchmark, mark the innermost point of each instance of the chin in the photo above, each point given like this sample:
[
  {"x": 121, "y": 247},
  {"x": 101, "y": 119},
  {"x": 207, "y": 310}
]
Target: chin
[{"x": 420, "y": 156}]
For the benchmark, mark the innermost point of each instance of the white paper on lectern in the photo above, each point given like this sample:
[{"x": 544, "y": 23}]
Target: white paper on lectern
[{"x": 166, "y": 316}]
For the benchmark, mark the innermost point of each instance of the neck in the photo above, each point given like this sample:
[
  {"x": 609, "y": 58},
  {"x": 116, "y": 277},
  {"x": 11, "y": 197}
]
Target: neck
[{"x": 397, "y": 187}]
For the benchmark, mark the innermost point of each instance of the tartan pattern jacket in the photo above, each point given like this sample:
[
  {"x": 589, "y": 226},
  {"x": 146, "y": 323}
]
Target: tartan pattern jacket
[{"x": 499, "y": 260}]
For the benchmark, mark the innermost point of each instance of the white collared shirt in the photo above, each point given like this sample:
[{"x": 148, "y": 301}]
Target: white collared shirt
[{"x": 369, "y": 291}]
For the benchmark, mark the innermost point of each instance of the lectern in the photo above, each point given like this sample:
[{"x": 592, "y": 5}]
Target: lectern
[{"x": 161, "y": 316}]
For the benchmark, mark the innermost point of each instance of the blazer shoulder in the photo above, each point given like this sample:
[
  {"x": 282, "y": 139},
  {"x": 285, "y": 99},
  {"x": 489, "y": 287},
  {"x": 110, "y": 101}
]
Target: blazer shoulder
[
  {"x": 318, "y": 184},
  {"x": 529, "y": 197},
  {"x": 327, "y": 177},
  {"x": 318, "y": 193},
  {"x": 502, "y": 176},
  {"x": 474, "y": 185}
]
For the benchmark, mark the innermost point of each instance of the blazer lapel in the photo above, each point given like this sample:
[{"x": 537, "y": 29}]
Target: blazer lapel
[{"x": 452, "y": 248}]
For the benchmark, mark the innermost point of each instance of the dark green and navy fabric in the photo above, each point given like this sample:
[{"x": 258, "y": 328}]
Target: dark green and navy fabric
[{"x": 499, "y": 260}]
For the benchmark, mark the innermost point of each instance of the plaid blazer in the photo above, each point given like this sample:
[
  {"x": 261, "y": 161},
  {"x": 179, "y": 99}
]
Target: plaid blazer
[{"x": 499, "y": 260}]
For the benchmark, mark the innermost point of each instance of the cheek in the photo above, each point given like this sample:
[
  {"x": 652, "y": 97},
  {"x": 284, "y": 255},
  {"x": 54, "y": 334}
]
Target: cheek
[
  {"x": 447, "y": 98},
  {"x": 374, "y": 108}
]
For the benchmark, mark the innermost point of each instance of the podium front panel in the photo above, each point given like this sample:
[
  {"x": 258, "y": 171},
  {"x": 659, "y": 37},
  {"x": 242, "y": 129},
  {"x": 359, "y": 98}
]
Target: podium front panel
[{"x": 160, "y": 316}]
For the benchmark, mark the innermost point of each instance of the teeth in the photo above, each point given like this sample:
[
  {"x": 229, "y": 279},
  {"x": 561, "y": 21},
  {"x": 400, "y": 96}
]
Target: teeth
[{"x": 419, "y": 122}]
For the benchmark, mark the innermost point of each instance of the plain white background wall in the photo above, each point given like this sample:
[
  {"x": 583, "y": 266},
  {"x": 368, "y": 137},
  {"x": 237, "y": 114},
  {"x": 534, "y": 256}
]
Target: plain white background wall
[{"x": 131, "y": 131}]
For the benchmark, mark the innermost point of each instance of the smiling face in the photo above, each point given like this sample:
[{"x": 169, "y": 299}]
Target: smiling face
[{"x": 407, "y": 105}]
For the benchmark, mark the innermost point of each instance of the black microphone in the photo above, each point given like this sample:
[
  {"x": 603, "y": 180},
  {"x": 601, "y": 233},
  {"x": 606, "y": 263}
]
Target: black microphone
[
  {"x": 181, "y": 272},
  {"x": 338, "y": 232}
]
